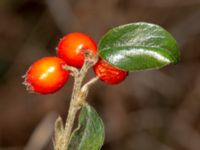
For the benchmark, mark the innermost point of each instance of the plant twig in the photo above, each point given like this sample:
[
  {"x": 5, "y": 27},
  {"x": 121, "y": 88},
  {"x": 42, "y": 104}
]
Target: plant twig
[
  {"x": 77, "y": 99},
  {"x": 85, "y": 88}
]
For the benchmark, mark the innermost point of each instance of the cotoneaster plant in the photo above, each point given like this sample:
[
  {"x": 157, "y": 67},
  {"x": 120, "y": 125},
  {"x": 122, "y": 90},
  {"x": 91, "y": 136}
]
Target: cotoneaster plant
[
  {"x": 127, "y": 48},
  {"x": 46, "y": 75},
  {"x": 108, "y": 73},
  {"x": 72, "y": 47}
]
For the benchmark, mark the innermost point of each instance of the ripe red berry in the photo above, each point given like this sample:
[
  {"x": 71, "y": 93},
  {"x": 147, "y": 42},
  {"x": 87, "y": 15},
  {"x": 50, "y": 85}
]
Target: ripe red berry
[
  {"x": 46, "y": 75},
  {"x": 108, "y": 73},
  {"x": 72, "y": 47}
]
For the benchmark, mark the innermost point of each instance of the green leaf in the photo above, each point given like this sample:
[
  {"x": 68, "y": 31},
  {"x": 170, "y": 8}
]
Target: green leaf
[
  {"x": 59, "y": 129},
  {"x": 138, "y": 46},
  {"x": 90, "y": 132}
]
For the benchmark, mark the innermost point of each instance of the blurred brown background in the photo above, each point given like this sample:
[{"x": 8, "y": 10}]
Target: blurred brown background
[{"x": 151, "y": 110}]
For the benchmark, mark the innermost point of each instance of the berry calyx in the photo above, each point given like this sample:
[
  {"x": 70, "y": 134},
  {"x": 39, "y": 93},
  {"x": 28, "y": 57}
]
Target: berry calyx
[
  {"x": 72, "y": 47},
  {"x": 109, "y": 73},
  {"x": 46, "y": 75}
]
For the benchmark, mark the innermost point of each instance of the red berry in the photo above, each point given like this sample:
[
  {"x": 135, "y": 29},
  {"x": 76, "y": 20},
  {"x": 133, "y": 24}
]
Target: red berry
[
  {"x": 72, "y": 47},
  {"x": 46, "y": 75},
  {"x": 108, "y": 73}
]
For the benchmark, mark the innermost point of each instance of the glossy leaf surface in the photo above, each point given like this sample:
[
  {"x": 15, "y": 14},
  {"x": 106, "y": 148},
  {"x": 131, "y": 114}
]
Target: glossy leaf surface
[{"x": 138, "y": 46}]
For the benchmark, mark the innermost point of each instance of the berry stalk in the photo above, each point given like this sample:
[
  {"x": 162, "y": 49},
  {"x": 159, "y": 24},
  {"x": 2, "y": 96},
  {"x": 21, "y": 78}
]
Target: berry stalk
[{"x": 78, "y": 96}]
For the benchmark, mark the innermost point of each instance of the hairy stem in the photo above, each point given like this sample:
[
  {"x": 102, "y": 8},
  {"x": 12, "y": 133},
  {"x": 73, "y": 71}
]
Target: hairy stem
[
  {"x": 73, "y": 108},
  {"x": 78, "y": 97}
]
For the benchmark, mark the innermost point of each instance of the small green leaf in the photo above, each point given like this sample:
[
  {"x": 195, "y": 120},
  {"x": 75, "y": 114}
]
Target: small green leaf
[
  {"x": 59, "y": 129},
  {"x": 138, "y": 46},
  {"x": 90, "y": 132}
]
